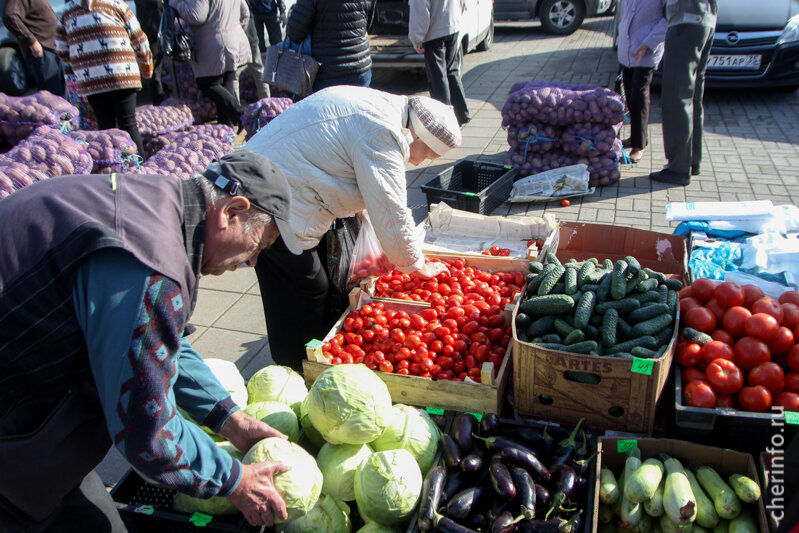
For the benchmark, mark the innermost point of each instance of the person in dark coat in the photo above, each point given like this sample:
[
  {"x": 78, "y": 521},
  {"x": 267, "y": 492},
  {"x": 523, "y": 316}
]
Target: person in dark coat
[
  {"x": 338, "y": 39},
  {"x": 269, "y": 14},
  {"x": 149, "y": 14}
]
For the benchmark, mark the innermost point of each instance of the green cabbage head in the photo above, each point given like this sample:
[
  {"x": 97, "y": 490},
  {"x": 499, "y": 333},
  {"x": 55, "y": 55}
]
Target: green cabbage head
[
  {"x": 228, "y": 375},
  {"x": 374, "y": 527},
  {"x": 388, "y": 486},
  {"x": 279, "y": 384},
  {"x": 300, "y": 486},
  {"x": 329, "y": 515},
  {"x": 338, "y": 463},
  {"x": 349, "y": 404},
  {"x": 311, "y": 432},
  {"x": 278, "y": 415},
  {"x": 413, "y": 430},
  {"x": 216, "y": 505}
]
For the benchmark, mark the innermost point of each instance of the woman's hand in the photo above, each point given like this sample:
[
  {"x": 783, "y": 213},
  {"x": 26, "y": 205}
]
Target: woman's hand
[
  {"x": 640, "y": 52},
  {"x": 431, "y": 270}
]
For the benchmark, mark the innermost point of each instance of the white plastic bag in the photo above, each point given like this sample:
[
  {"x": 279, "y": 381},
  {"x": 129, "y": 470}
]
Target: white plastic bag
[
  {"x": 560, "y": 182},
  {"x": 368, "y": 257}
]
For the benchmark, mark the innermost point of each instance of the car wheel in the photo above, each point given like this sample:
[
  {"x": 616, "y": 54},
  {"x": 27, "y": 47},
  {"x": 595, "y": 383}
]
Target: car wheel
[
  {"x": 485, "y": 44},
  {"x": 562, "y": 17},
  {"x": 13, "y": 77}
]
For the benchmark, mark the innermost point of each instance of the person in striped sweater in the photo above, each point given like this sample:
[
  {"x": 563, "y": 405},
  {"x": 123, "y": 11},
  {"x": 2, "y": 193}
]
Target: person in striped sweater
[{"x": 102, "y": 42}]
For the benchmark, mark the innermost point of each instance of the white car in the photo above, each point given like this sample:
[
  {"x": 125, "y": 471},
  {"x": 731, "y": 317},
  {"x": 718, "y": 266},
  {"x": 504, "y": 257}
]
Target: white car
[{"x": 388, "y": 34}]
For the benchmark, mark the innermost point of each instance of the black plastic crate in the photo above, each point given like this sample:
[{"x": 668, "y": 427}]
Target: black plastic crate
[
  {"x": 728, "y": 428},
  {"x": 474, "y": 186},
  {"x": 147, "y": 508}
]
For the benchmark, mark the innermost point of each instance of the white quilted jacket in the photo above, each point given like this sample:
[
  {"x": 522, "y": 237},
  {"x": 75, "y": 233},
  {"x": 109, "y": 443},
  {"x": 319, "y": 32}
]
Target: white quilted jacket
[{"x": 343, "y": 150}]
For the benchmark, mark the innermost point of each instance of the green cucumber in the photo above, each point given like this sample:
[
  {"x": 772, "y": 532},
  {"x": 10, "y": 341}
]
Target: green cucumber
[
  {"x": 646, "y": 312},
  {"x": 647, "y": 285},
  {"x": 550, "y": 338},
  {"x": 646, "y": 353},
  {"x": 591, "y": 332},
  {"x": 664, "y": 337},
  {"x": 663, "y": 294},
  {"x": 622, "y": 355},
  {"x": 672, "y": 300},
  {"x": 624, "y": 328},
  {"x": 551, "y": 259},
  {"x": 673, "y": 284},
  {"x": 562, "y": 327},
  {"x": 540, "y": 327},
  {"x": 587, "y": 268},
  {"x": 551, "y": 304},
  {"x": 692, "y": 335},
  {"x": 523, "y": 321},
  {"x": 618, "y": 284},
  {"x": 583, "y": 347},
  {"x": 582, "y": 313},
  {"x": 633, "y": 266},
  {"x": 532, "y": 285},
  {"x": 646, "y": 341},
  {"x": 535, "y": 267},
  {"x": 624, "y": 306},
  {"x": 550, "y": 279},
  {"x": 745, "y": 488},
  {"x": 574, "y": 337},
  {"x": 654, "y": 274},
  {"x": 634, "y": 282},
  {"x": 607, "y": 264},
  {"x": 652, "y": 326},
  {"x": 610, "y": 321},
  {"x": 645, "y": 297},
  {"x": 570, "y": 281},
  {"x": 603, "y": 293}
]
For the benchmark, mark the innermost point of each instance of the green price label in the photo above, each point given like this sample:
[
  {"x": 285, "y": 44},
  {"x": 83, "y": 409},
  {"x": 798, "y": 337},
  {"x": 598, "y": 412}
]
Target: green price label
[
  {"x": 469, "y": 194},
  {"x": 478, "y": 416},
  {"x": 642, "y": 366},
  {"x": 200, "y": 519},
  {"x": 792, "y": 417},
  {"x": 314, "y": 344},
  {"x": 624, "y": 446},
  {"x": 435, "y": 412},
  {"x": 144, "y": 509}
]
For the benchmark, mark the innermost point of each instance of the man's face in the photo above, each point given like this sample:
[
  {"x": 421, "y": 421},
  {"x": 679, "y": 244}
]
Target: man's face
[{"x": 227, "y": 244}]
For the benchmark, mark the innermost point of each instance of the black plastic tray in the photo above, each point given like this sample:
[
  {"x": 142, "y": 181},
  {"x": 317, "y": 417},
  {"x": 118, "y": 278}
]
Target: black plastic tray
[{"x": 475, "y": 186}]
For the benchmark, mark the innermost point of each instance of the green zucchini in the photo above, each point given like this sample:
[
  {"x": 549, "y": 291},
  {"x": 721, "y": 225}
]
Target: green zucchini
[
  {"x": 645, "y": 524},
  {"x": 610, "y": 321},
  {"x": 540, "y": 327},
  {"x": 630, "y": 511},
  {"x": 646, "y": 312},
  {"x": 643, "y": 483},
  {"x": 692, "y": 335},
  {"x": 654, "y": 506},
  {"x": 608, "y": 486},
  {"x": 605, "y": 514},
  {"x": 706, "y": 515},
  {"x": 744, "y": 523},
  {"x": 551, "y": 304},
  {"x": 618, "y": 284},
  {"x": 582, "y": 313},
  {"x": 679, "y": 502},
  {"x": 723, "y": 527},
  {"x": 745, "y": 488},
  {"x": 652, "y": 326},
  {"x": 727, "y": 503},
  {"x": 667, "y": 525},
  {"x": 587, "y": 268}
]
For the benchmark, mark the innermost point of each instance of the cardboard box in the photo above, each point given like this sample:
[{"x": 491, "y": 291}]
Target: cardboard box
[
  {"x": 550, "y": 384},
  {"x": 725, "y": 462},
  {"x": 418, "y": 391}
]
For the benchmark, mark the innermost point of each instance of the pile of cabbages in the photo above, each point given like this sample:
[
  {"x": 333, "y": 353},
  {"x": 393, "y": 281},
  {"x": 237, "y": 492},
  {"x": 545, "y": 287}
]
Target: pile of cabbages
[{"x": 551, "y": 125}]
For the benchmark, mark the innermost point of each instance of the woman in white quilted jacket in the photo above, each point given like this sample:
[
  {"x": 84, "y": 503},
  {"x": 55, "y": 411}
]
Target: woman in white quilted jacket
[{"x": 343, "y": 150}]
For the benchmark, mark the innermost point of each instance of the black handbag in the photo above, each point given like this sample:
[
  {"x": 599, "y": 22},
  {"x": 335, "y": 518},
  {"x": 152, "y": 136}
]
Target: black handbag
[
  {"x": 174, "y": 43},
  {"x": 290, "y": 70}
]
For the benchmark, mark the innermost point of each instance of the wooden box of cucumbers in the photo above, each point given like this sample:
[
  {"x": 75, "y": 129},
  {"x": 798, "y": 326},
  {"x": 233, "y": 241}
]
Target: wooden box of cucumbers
[
  {"x": 672, "y": 486},
  {"x": 595, "y": 331}
]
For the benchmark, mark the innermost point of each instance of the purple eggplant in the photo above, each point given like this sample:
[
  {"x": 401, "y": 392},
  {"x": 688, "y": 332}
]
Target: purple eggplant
[
  {"x": 501, "y": 481},
  {"x": 432, "y": 488},
  {"x": 498, "y": 443},
  {"x": 564, "y": 451},
  {"x": 447, "y": 525},
  {"x": 450, "y": 451},
  {"x": 489, "y": 425},
  {"x": 504, "y": 523},
  {"x": 525, "y": 459},
  {"x": 555, "y": 525},
  {"x": 497, "y": 508},
  {"x": 542, "y": 496},
  {"x": 473, "y": 462},
  {"x": 565, "y": 481},
  {"x": 464, "y": 502},
  {"x": 525, "y": 490},
  {"x": 455, "y": 483},
  {"x": 463, "y": 428}
]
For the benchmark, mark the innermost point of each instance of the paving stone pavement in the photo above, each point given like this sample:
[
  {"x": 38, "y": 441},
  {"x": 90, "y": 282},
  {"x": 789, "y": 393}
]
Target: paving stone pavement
[{"x": 751, "y": 152}]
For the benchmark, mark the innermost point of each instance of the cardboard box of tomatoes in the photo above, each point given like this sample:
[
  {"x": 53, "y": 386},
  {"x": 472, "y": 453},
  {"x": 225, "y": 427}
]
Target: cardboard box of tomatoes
[{"x": 737, "y": 378}]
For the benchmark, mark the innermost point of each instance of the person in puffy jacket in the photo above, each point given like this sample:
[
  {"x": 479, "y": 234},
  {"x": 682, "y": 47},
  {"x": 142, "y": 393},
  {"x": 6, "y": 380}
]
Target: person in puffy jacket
[
  {"x": 343, "y": 150},
  {"x": 338, "y": 39},
  {"x": 220, "y": 46}
]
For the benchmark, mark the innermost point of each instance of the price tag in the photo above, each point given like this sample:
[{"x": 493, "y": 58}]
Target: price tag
[
  {"x": 624, "y": 446},
  {"x": 435, "y": 412},
  {"x": 469, "y": 194},
  {"x": 792, "y": 417},
  {"x": 478, "y": 416},
  {"x": 144, "y": 509},
  {"x": 313, "y": 344},
  {"x": 642, "y": 366},
  {"x": 200, "y": 519}
]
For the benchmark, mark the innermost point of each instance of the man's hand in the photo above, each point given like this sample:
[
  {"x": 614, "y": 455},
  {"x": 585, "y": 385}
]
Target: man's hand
[
  {"x": 36, "y": 49},
  {"x": 431, "y": 270},
  {"x": 420, "y": 50},
  {"x": 640, "y": 52},
  {"x": 244, "y": 431},
  {"x": 283, "y": 19},
  {"x": 256, "y": 496}
]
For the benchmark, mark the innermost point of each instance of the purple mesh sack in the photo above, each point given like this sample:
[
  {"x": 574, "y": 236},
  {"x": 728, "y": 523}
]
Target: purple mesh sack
[
  {"x": 50, "y": 152},
  {"x": 14, "y": 176},
  {"x": 561, "y": 104},
  {"x": 259, "y": 114},
  {"x": 157, "y": 120},
  {"x": 186, "y": 155},
  {"x": 110, "y": 149},
  {"x": 217, "y": 131},
  {"x": 591, "y": 139},
  {"x": 20, "y": 115},
  {"x": 533, "y": 137}
]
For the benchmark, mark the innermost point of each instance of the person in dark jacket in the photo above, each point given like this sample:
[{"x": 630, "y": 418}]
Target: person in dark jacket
[
  {"x": 34, "y": 23},
  {"x": 270, "y": 14},
  {"x": 338, "y": 39},
  {"x": 149, "y": 14}
]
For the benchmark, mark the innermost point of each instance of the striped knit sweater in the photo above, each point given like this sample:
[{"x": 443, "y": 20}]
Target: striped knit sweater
[{"x": 102, "y": 42}]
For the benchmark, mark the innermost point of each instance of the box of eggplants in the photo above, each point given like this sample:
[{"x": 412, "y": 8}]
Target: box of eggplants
[{"x": 502, "y": 476}]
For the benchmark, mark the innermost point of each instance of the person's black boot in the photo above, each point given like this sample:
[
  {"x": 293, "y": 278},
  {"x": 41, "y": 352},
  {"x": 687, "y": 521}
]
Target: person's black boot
[{"x": 669, "y": 176}]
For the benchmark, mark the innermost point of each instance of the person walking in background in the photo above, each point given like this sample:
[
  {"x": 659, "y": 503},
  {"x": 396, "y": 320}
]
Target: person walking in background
[
  {"x": 433, "y": 27},
  {"x": 148, "y": 12},
  {"x": 270, "y": 14},
  {"x": 255, "y": 66},
  {"x": 642, "y": 30},
  {"x": 102, "y": 42},
  {"x": 34, "y": 23},
  {"x": 688, "y": 40},
  {"x": 220, "y": 47},
  {"x": 338, "y": 39}
]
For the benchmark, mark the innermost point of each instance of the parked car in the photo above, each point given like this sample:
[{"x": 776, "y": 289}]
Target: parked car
[
  {"x": 558, "y": 17},
  {"x": 388, "y": 33}
]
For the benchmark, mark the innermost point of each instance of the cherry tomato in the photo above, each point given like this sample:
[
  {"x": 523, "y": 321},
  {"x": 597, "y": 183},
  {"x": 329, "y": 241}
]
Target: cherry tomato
[
  {"x": 689, "y": 354},
  {"x": 690, "y": 374},
  {"x": 789, "y": 297},
  {"x": 729, "y": 294},
  {"x": 753, "y": 293},
  {"x": 769, "y": 306},
  {"x": 723, "y": 400},
  {"x": 734, "y": 320},
  {"x": 717, "y": 350},
  {"x": 793, "y": 358},
  {"x": 565, "y": 202},
  {"x": 783, "y": 342},
  {"x": 703, "y": 289},
  {"x": 756, "y": 398},
  {"x": 763, "y": 326},
  {"x": 701, "y": 319},
  {"x": 788, "y": 400},
  {"x": 750, "y": 352},
  {"x": 724, "y": 376},
  {"x": 699, "y": 393},
  {"x": 768, "y": 374},
  {"x": 723, "y": 336},
  {"x": 792, "y": 382}
]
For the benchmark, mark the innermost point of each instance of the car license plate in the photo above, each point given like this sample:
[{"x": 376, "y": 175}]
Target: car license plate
[{"x": 742, "y": 62}]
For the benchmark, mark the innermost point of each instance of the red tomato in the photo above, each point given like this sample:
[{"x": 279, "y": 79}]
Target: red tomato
[
  {"x": 723, "y": 336},
  {"x": 729, "y": 294},
  {"x": 494, "y": 250},
  {"x": 700, "y": 318},
  {"x": 716, "y": 309},
  {"x": 769, "y": 306},
  {"x": 689, "y": 354},
  {"x": 789, "y": 297},
  {"x": 689, "y": 374},
  {"x": 565, "y": 202},
  {"x": 723, "y": 400},
  {"x": 788, "y": 400},
  {"x": 685, "y": 292},
  {"x": 717, "y": 350},
  {"x": 734, "y": 320},
  {"x": 724, "y": 376},
  {"x": 703, "y": 289},
  {"x": 783, "y": 342},
  {"x": 792, "y": 382},
  {"x": 504, "y": 252},
  {"x": 757, "y": 398},
  {"x": 793, "y": 358},
  {"x": 750, "y": 352},
  {"x": 753, "y": 293},
  {"x": 763, "y": 326},
  {"x": 689, "y": 302},
  {"x": 699, "y": 393},
  {"x": 790, "y": 315},
  {"x": 768, "y": 374}
]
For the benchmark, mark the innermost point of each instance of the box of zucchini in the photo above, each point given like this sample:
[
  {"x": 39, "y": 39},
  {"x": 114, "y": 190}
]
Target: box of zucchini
[{"x": 594, "y": 339}]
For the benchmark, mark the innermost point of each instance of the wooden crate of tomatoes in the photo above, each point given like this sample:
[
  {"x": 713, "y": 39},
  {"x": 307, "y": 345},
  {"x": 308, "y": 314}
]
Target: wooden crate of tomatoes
[{"x": 738, "y": 363}]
